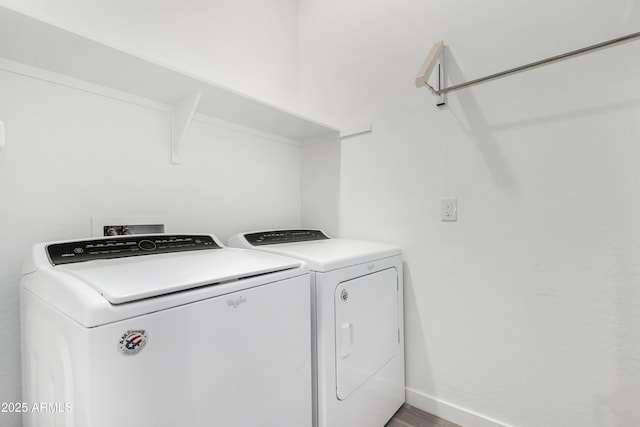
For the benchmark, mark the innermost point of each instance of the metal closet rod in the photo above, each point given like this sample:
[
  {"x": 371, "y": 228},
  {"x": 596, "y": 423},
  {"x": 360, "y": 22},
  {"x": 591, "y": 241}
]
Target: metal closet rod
[{"x": 542, "y": 62}]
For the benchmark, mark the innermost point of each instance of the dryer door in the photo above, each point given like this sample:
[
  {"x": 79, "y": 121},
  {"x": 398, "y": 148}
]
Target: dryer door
[{"x": 366, "y": 328}]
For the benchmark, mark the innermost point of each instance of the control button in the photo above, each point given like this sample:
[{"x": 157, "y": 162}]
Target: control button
[{"x": 146, "y": 245}]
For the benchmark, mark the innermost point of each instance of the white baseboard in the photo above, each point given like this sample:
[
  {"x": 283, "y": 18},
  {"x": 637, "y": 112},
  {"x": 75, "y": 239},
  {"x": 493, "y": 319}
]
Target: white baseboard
[{"x": 449, "y": 411}]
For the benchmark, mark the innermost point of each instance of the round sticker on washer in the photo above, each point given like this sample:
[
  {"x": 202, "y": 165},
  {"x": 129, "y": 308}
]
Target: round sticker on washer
[{"x": 132, "y": 342}]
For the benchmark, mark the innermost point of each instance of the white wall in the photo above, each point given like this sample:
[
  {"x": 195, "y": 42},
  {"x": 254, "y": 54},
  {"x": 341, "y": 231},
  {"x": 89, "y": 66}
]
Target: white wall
[
  {"x": 320, "y": 171},
  {"x": 250, "y": 46},
  {"x": 526, "y": 311},
  {"x": 73, "y": 155}
]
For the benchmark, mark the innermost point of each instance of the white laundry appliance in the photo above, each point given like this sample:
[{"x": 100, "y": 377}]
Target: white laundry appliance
[
  {"x": 357, "y": 312},
  {"x": 163, "y": 331}
]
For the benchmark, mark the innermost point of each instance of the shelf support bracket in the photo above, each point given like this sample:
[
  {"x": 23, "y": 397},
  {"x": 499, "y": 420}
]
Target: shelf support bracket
[
  {"x": 181, "y": 117},
  {"x": 434, "y": 62}
]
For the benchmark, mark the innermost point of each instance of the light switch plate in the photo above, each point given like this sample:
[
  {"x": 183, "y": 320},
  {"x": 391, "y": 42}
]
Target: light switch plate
[{"x": 449, "y": 209}]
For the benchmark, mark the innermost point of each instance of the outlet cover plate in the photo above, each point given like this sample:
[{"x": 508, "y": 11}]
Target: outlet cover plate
[{"x": 449, "y": 209}]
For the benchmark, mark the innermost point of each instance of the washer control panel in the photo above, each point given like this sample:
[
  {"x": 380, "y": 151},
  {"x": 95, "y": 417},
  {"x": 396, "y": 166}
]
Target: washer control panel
[
  {"x": 284, "y": 236},
  {"x": 126, "y": 246}
]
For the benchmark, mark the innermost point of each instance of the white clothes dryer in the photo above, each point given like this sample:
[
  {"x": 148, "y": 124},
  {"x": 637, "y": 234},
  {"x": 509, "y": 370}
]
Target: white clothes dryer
[
  {"x": 164, "y": 330},
  {"x": 357, "y": 323}
]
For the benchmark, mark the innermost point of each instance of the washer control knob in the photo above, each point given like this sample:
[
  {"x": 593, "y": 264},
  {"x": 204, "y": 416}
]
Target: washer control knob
[{"x": 146, "y": 245}]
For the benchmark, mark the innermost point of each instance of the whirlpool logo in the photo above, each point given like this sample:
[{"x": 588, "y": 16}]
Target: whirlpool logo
[{"x": 235, "y": 302}]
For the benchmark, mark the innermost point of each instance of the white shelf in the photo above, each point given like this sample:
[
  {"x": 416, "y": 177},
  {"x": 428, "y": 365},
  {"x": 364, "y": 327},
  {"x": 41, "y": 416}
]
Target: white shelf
[{"x": 31, "y": 41}]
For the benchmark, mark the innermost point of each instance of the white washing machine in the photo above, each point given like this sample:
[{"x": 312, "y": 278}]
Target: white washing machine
[
  {"x": 164, "y": 330},
  {"x": 357, "y": 321}
]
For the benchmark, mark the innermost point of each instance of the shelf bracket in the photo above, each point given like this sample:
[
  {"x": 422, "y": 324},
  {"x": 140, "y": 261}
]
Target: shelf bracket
[
  {"x": 183, "y": 112},
  {"x": 434, "y": 62},
  {"x": 344, "y": 134}
]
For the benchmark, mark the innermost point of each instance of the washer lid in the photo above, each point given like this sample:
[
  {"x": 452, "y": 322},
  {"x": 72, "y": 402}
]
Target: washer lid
[{"x": 131, "y": 279}]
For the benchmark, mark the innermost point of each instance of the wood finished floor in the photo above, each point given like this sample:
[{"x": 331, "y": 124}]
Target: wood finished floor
[{"x": 408, "y": 416}]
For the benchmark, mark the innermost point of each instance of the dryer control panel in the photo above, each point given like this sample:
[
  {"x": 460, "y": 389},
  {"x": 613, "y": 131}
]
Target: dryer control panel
[
  {"x": 284, "y": 236},
  {"x": 126, "y": 246}
]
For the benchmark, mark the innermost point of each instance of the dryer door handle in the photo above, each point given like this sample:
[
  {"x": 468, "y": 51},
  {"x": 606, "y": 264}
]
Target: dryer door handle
[{"x": 346, "y": 340}]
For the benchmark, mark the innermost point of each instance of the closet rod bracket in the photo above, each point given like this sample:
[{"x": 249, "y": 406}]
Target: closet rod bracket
[
  {"x": 434, "y": 64},
  {"x": 436, "y": 58}
]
